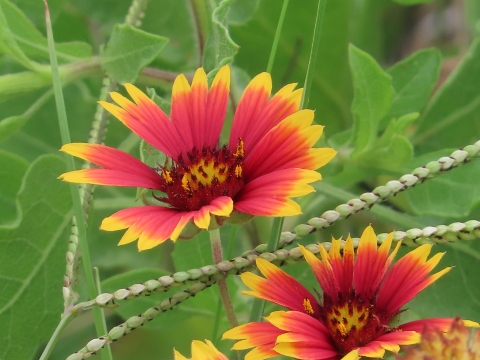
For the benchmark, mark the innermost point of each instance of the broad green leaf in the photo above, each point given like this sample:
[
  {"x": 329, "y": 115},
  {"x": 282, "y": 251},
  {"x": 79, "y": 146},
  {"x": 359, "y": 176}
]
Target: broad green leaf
[
  {"x": 395, "y": 154},
  {"x": 194, "y": 253},
  {"x": 413, "y": 80},
  {"x": 11, "y": 124},
  {"x": 8, "y": 44},
  {"x": 219, "y": 47},
  {"x": 31, "y": 41},
  {"x": 32, "y": 261},
  {"x": 242, "y": 11},
  {"x": 452, "y": 117},
  {"x": 35, "y": 10},
  {"x": 453, "y": 194},
  {"x": 373, "y": 94},
  {"x": 128, "y": 51},
  {"x": 457, "y": 292},
  {"x": 12, "y": 169},
  {"x": 396, "y": 127}
]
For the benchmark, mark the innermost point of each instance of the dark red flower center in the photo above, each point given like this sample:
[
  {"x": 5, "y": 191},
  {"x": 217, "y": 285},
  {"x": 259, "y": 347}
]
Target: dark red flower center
[
  {"x": 202, "y": 177},
  {"x": 352, "y": 321}
]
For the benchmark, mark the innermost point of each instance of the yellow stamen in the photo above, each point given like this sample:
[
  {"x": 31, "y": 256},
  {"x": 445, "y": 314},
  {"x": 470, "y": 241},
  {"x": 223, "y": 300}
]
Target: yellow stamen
[
  {"x": 185, "y": 184},
  {"x": 239, "y": 152},
  {"x": 238, "y": 171},
  {"x": 308, "y": 306},
  {"x": 166, "y": 175}
]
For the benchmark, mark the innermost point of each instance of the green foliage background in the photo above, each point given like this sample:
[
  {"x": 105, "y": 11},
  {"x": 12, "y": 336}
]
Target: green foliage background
[{"x": 388, "y": 106}]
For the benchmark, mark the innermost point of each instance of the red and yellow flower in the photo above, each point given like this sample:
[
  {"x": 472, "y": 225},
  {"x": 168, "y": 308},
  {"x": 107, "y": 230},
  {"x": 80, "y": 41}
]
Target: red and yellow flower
[
  {"x": 362, "y": 293},
  {"x": 458, "y": 343},
  {"x": 268, "y": 160},
  {"x": 202, "y": 351}
]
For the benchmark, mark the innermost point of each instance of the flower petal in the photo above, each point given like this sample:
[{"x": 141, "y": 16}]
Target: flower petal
[
  {"x": 251, "y": 103},
  {"x": 323, "y": 271},
  {"x": 202, "y": 351},
  {"x": 407, "y": 278},
  {"x": 316, "y": 341},
  {"x": 259, "y": 335},
  {"x": 286, "y": 145},
  {"x": 217, "y": 105},
  {"x": 442, "y": 324},
  {"x": 255, "y": 116},
  {"x": 390, "y": 342},
  {"x": 146, "y": 120},
  {"x": 197, "y": 113},
  {"x": 269, "y": 194},
  {"x": 127, "y": 168},
  {"x": 109, "y": 177},
  {"x": 221, "y": 206},
  {"x": 280, "y": 288},
  {"x": 152, "y": 225}
]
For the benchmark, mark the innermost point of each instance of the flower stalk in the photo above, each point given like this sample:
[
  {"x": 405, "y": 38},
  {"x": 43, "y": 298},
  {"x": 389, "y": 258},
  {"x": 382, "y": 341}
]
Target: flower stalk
[{"x": 222, "y": 282}]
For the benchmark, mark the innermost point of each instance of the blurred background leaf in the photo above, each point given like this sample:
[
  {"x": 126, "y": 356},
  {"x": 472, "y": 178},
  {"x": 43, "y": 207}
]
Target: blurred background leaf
[{"x": 32, "y": 261}]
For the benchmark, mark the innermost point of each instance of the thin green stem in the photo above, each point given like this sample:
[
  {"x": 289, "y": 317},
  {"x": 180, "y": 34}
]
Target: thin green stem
[
  {"x": 273, "y": 52},
  {"x": 201, "y": 19},
  {"x": 77, "y": 204},
  {"x": 222, "y": 283},
  {"x": 231, "y": 243},
  {"x": 322, "y": 4},
  {"x": 56, "y": 334}
]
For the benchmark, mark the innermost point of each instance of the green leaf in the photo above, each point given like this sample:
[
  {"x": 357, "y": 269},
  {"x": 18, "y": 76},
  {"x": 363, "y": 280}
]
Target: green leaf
[
  {"x": 452, "y": 117},
  {"x": 11, "y": 124},
  {"x": 200, "y": 306},
  {"x": 395, "y": 154},
  {"x": 12, "y": 169},
  {"x": 32, "y": 263},
  {"x": 193, "y": 253},
  {"x": 128, "y": 51},
  {"x": 413, "y": 79},
  {"x": 373, "y": 94},
  {"x": 396, "y": 127},
  {"x": 242, "y": 11},
  {"x": 8, "y": 44},
  {"x": 32, "y": 43},
  {"x": 453, "y": 194},
  {"x": 219, "y": 47}
]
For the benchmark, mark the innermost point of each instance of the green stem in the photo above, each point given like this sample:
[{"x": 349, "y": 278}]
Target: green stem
[
  {"x": 273, "y": 52},
  {"x": 201, "y": 19},
  {"x": 216, "y": 324},
  {"x": 56, "y": 334},
  {"x": 222, "y": 283},
  {"x": 322, "y": 4},
  {"x": 77, "y": 205}
]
